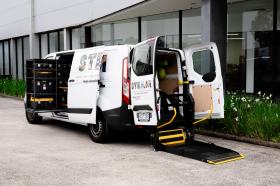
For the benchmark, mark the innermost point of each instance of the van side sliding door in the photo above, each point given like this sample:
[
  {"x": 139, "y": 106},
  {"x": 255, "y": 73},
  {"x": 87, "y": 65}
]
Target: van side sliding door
[{"x": 83, "y": 88}]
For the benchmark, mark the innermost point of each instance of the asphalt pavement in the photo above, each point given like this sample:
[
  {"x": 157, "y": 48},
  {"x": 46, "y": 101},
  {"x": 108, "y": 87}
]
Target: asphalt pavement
[{"x": 58, "y": 153}]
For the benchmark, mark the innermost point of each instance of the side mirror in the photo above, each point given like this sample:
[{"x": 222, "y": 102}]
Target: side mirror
[{"x": 209, "y": 77}]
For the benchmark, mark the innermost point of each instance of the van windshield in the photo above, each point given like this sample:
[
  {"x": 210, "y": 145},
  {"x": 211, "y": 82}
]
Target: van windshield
[{"x": 142, "y": 59}]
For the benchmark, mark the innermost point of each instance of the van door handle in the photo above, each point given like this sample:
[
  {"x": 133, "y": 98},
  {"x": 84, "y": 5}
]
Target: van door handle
[
  {"x": 101, "y": 85},
  {"x": 71, "y": 80}
]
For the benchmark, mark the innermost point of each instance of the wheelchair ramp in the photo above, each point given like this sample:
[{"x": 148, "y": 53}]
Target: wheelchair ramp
[{"x": 206, "y": 152}]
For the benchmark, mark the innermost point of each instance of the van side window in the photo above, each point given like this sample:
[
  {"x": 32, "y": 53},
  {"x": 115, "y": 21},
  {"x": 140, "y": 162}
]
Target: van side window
[
  {"x": 142, "y": 63},
  {"x": 103, "y": 63}
]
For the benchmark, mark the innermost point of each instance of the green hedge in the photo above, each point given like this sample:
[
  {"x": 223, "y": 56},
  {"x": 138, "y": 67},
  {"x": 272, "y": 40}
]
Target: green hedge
[
  {"x": 12, "y": 87},
  {"x": 255, "y": 116}
]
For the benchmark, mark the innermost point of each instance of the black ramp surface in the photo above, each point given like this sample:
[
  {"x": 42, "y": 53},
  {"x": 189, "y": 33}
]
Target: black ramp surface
[{"x": 206, "y": 152}]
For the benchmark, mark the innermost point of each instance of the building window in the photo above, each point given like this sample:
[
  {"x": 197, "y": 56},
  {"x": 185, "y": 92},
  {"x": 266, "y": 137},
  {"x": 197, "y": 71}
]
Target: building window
[
  {"x": 7, "y": 57},
  {"x": 53, "y": 42},
  {"x": 126, "y": 32},
  {"x": 115, "y": 33},
  {"x": 22, "y": 54},
  {"x": 1, "y": 59},
  {"x": 102, "y": 34},
  {"x": 77, "y": 38},
  {"x": 249, "y": 48},
  {"x": 191, "y": 27},
  {"x": 44, "y": 45},
  {"x": 26, "y": 54},
  {"x": 5, "y": 63},
  {"x": 19, "y": 57},
  {"x": 61, "y": 40},
  {"x": 162, "y": 25}
]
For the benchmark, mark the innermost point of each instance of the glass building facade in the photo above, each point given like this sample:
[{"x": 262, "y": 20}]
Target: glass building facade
[
  {"x": 250, "y": 46},
  {"x": 253, "y": 41},
  {"x": 51, "y": 42}
]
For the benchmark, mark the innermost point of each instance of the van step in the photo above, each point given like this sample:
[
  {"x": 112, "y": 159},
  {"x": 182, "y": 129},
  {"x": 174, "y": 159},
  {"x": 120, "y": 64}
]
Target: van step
[{"x": 173, "y": 137}]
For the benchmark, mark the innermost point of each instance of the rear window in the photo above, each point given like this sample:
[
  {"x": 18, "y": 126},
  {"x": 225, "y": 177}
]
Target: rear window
[
  {"x": 203, "y": 62},
  {"x": 142, "y": 59}
]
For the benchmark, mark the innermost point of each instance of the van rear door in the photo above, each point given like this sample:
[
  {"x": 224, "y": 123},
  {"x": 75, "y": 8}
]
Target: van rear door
[
  {"x": 143, "y": 85},
  {"x": 204, "y": 73},
  {"x": 83, "y": 87}
]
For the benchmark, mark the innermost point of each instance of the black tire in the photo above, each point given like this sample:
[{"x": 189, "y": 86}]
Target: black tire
[
  {"x": 99, "y": 132},
  {"x": 33, "y": 117}
]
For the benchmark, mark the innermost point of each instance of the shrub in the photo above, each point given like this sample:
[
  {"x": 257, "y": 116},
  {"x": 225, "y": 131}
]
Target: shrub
[
  {"x": 256, "y": 116},
  {"x": 12, "y": 87}
]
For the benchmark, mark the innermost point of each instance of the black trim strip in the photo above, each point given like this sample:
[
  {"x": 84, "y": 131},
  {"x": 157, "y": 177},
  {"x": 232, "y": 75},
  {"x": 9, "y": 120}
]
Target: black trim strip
[
  {"x": 275, "y": 54},
  {"x": 70, "y": 38},
  {"x": 3, "y": 51},
  {"x": 16, "y": 46},
  {"x": 22, "y": 58},
  {"x": 48, "y": 42},
  {"x": 9, "y": 51},
  {"x": 80, "y": 110},
  {"x": 58, "y": 41},
  {"x": 180, "y": 29},
  {"x": 40, "y": 46},
  {"x": 142, "y": 107},
  {"x": 139, "y": 30}
]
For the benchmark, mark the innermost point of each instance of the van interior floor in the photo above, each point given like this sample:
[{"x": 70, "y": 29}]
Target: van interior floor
[{"x": 206, "y": 152}]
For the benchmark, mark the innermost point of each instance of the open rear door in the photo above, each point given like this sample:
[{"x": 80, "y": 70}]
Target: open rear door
[
  {"x": 143, "y": 84},
  {"x": 83, "y": 88},
  {"x": 204, "y": 69}
]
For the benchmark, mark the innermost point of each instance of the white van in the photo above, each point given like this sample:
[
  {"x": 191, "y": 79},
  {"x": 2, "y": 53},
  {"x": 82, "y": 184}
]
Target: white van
[{"x": 115, "y": 87}]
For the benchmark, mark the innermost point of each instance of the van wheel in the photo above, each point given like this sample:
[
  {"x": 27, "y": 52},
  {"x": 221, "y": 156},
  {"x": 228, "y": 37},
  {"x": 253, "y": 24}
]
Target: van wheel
[
  {"x": 98, "y": 132},
  {"x": 33, "y": 117}
]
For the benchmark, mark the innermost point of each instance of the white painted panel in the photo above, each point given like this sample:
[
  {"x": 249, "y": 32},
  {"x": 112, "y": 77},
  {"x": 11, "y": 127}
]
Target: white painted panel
[
  {"x": 54, "y": 14},
  {"x": 14, "y": 18}
]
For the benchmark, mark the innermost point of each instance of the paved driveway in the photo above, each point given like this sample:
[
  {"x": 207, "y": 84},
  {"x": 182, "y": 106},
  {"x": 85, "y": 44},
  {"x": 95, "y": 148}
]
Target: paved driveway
[{"x": 57, "y": 153}]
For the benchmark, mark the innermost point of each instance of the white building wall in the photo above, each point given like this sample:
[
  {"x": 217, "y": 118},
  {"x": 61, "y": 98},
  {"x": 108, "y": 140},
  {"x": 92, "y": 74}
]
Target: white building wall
[
  {"x": 53, "y": 14},
  {"x": 14, "y": 18}
]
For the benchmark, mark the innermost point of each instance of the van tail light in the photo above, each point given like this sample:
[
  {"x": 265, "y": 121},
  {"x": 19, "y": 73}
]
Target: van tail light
[{"x": 125, "y": 82}]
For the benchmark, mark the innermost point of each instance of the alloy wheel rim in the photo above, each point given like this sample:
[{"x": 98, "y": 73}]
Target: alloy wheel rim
[
  {"x": 97, "y": 128},
  {"x": 30, "y": 115}
]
